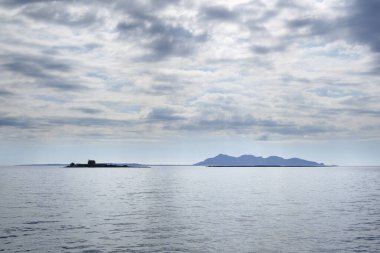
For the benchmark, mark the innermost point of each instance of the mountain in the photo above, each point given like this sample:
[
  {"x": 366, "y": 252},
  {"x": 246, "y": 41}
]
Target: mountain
[{"x": 251, "y": 160}]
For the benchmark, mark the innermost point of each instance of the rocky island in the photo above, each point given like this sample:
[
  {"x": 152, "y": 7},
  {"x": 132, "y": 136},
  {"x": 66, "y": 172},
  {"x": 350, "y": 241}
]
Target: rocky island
[
  {"x": 93, "y": 164},
  {"x": 222, "y": 160}
]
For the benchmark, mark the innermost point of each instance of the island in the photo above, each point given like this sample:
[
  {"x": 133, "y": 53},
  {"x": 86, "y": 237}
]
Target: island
[
  {"x": 93, "y": 164},
  {"x": 222, "y": 160}
]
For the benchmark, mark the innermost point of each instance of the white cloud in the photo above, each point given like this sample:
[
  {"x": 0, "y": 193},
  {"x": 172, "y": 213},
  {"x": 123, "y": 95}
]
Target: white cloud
[{"x": 283, "y": 71}]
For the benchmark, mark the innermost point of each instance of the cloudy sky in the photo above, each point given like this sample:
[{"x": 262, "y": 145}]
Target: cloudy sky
[{"x": 171, "y": 81}]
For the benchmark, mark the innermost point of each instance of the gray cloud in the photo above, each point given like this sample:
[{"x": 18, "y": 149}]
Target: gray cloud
[
  {"x": 87, "y": 110},
  {"x": 269, "y": 49},
  {"x": 171, "y": 120},
  {"x": 163, "y": 89},
  {"x": 352, "y": 112},
  {"x": 303, "y": 130},
  {"x": 159, "y": 4},
  {"x": 250, "y": 124},
  {"x": 164, "y": 84},
  {"x": 257, "y": 17},
  {"x": 225, "y": 66},
  {"x": 5, "y": 93},
  {"x": 161, "y": 37},
  {"x": 364, "y": 23},
  {"x": 55, "y": 99},
  {"x": 16, "y": 122},
  {"x": 221, "y": 122},
  {"x": 374, "y": 113},
  {"x": 88, "y": 122},
  {"x": 314, "y": 27},
  {"x": 290, "y": 4},
  {"x": 219, "y": 13},
  {"x": 46, "y": 123},
  {"x": 142, "y": 7},
  {"x": 62, "y": 85},
  {"x": 17, "y": 3},
  {"x": 336, "y": 92},
  {"x": 163, "y": 115},
  {"x": 360, "y": 24},
  {"x": 293, "y": 79},
  {"x": 46, "y": 72},
  {"x": 34, "y": 65},
  {"x": 86, "y": 48},
  {"x": 163, "y": 40},
  {"x": 56, "y": 12}
]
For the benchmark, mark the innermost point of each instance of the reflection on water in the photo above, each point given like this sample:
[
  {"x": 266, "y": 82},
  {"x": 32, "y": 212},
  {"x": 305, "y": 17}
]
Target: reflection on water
[{"x": 189, "y": 209}]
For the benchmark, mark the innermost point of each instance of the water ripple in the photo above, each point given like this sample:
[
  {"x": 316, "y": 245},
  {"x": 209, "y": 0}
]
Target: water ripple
[{"x": 186, "y": 209}]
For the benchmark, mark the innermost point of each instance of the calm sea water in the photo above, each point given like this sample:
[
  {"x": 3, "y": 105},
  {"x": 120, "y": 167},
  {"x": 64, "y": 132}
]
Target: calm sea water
[{"x": 189, "y": 209}]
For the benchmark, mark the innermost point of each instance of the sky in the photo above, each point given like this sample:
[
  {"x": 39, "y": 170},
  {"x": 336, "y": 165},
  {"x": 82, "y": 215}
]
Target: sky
[{"x": 171, "y": 81}]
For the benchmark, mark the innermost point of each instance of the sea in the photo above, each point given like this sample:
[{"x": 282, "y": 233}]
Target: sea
[{"x": 189, "y": 209}]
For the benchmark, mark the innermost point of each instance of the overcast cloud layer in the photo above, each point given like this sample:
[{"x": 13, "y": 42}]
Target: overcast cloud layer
[{"x": 125, "y": 70}]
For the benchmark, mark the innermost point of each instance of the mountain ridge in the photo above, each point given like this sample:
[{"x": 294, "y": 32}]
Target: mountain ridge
[{"x": 251, "y": 160}]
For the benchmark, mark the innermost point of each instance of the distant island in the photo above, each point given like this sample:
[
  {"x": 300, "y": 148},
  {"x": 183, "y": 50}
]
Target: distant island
[
  {"x": 222, "y": 160},
  {"x": 93, "y": 164}
]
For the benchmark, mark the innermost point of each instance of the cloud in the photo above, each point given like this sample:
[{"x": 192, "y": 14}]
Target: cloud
[
  {"x": 268, "y": 49},
  {"x": 303, "y": 130},
  {"x": 162, "y": 39},
  {"x": 311, "y": 27},
  {"x": 354, "y": 112},
  {"x": 46, "y": 72},
  {"x": 5, "y": 93},
  {"x": 364, "y": 22},
  {"x": 359, "y": 25},
  {"x": 219, "y": 13},
  {"x": 163, "y": 89},
  {"x": 289, "y": 5},
  {"x": 34, "y": 65},
  {"x": 88, "y": 122},
  {"x": 87, "y": 110},
  {"x": 139, "y": 8},
  {"x": 58, "y": 13},
  {"x": 227, "y": 123},
  {"x": 163, "y": 115},
  {"x": 276, "y": 69},
  {"x": 58, "y": 84},
  {"x": 17, "y": 3},
  {"x": 250, "y": 125},
  {"x": 16, "y": 122}
]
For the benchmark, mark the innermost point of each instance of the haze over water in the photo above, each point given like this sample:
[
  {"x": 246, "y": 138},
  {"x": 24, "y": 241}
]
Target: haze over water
[{"x": 189, "y": 209}]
